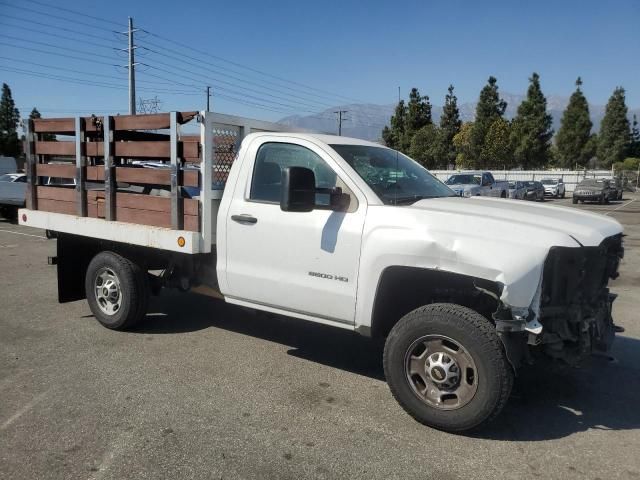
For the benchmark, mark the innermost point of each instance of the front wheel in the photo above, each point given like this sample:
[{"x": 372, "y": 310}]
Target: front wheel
[
  {"x": 574, "y": 200},
  {"x": 446, "y": 366},
  {"x": 117, "y": 290}
]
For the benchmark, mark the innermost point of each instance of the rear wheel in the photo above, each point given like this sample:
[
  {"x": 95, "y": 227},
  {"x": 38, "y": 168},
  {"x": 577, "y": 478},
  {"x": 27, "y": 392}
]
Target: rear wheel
[
  {"x": 574, "y": 200},
  {"x": 503, "y": 195},
  {"x": 117, "y": 290},
  {"x": 445, "y": 365}
]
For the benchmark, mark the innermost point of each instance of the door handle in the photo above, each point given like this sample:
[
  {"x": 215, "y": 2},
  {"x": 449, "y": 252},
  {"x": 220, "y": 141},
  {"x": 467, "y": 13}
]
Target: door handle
[{"x": 244, "y": 218}]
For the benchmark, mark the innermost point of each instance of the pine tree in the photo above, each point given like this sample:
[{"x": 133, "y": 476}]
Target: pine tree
[
  {"x": 418, "y": 111},
  {"x": 9, "y": 118},
  {"x": 575, "y": 130},
  {"x": 614, "y": 138},
  {"x": 489, "y": 108},
  {"x": 424, "y": 146},
  {"x": 497, "y": 152},
  {"x": 462, "y": 144},
  {"x": 394, "y": 136},
  {"x": 634, "y": 147},
  {"x": 450, "y": 124},
  {"x": 531, "y": 130}
]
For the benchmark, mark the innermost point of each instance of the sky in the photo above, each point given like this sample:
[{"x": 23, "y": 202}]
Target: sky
[{"x": 270, "y": 59}]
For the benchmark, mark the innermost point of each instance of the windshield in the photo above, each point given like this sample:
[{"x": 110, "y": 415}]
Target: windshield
[
  {"x": 465, "y": 179},
  {"x": 394, "y": 177},
  {"x": 549, "y": 182}
]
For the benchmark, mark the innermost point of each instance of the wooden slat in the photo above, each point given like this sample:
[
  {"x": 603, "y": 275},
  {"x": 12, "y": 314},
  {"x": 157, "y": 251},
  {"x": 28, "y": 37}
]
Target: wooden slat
[
  {"x": 56, "y": 193},
  {"x": 122, "y": 122},
  {"x": 57, "y": 206},
  {"x": 55, "y": 148},
  {"x": 54, "y": 125},
  {"x": 154, "y": 121},
  {"x": 191, "y": 178},
  {"x": 144, "y": 176},
  {"x": 95, "y": 174},
  {"x": 145, "y": 202},
  {"x": 143, "y": 149},
  {"x": 148, "y": 217},
  {"x": 55, "y": 170}
]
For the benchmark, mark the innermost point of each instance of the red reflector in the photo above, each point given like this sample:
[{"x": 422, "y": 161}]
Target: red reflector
[{"x": 24, "y": 217}]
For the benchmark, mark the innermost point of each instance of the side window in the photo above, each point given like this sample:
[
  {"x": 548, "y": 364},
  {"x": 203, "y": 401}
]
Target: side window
[
  {"x": 490, "y": 178},
  {"x": 273, "y": 157},
  {"x": 21, "y": 180}
]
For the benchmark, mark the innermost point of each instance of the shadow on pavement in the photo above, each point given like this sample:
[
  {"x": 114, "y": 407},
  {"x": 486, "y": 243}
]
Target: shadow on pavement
[
  {"x": 549, "y": 401},
  {"x": 348, "y": 351}
]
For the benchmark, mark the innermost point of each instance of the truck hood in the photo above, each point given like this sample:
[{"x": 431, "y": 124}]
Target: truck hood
[
  {"x": 517, "y": 217},
  {"x": 505, "y": 241}
]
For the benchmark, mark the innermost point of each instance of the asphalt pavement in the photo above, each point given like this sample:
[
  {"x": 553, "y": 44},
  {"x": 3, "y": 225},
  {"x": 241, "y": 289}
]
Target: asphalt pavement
[{"x": 202, "y": 389}]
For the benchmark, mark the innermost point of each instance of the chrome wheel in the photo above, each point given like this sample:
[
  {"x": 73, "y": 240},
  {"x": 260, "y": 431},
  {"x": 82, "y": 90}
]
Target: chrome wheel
[
  {"x": 441, "y": 372},
  {"x": 108, "y": 292}
]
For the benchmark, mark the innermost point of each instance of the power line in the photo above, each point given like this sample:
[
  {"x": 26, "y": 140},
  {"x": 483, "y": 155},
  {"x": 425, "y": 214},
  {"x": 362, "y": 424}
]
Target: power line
[
  {"x": 88, "y": 82},
  {"x": 68, "y": 10},
  {"x": 51, "y": 15},
  {"x": 230, "y": 83},
  {"x": 239, "y": 79},
  {"x": 56, "y": 27},
  {"x": 332, "y": 95},
  {"x": 35, "y": 42},
  {"x": 59, "y": 36}
]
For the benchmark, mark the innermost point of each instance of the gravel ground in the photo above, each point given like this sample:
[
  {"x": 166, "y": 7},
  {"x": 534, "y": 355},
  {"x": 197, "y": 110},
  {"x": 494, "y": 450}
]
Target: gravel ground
[{"x": 202, "y": 389}]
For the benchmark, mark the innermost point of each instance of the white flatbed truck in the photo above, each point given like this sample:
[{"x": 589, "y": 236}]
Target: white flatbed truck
[{"x": 332, "y": 230}]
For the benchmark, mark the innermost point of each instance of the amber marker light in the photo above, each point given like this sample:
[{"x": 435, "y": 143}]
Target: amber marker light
[{"x": 181, "y": 241}]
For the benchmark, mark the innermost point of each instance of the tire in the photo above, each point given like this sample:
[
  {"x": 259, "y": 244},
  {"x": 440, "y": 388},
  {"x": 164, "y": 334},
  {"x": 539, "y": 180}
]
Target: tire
[
  {"x": 503, "y": 195},
  {"x": 601, "y": 200},
  {"x": 128, "y": 281},
  {"x": 563, "y": 193},
  {"x": 574, "y": 200},
  {"x": 485, "y": 391}
]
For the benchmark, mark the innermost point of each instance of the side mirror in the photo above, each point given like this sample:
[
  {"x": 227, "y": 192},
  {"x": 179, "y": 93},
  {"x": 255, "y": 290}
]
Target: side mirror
[{"x": 298, "y": 190}]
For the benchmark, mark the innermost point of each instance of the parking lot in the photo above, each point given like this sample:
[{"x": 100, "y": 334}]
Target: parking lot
[{"x": 202, "y": 389}]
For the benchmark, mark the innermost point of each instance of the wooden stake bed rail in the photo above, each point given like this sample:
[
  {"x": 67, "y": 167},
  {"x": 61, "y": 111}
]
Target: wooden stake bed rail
[{"x": 96, "y": 174}]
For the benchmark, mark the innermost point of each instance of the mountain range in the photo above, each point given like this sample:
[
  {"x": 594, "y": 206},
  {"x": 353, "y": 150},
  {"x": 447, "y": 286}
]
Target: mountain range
[{"x": 366, "y": 120}]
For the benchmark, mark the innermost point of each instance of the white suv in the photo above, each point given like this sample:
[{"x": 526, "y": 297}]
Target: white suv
[{"x": 553, "y": 187}]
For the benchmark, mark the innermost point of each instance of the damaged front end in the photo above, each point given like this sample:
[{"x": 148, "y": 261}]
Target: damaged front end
[{"x": 575, "y": 301}]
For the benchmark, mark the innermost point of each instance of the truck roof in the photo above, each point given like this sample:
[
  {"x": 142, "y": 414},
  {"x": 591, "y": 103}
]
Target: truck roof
[{"x": 314, "y": 137}]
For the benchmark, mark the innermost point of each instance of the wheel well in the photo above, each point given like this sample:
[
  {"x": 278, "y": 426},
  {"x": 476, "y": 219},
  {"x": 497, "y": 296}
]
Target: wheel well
[
  {"x": 403, "y": 289},
  {"x": 74, "y": 253}
]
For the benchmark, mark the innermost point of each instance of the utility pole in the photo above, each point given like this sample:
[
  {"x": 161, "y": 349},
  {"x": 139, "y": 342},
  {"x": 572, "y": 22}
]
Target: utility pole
[
  {"x": 132, "y": 72},
  {"x": 339, "y": 113},
  {"x": 208, "y": 97}
]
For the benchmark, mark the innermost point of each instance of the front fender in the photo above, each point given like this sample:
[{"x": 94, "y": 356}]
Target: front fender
[{"x": 476, "y": 247}]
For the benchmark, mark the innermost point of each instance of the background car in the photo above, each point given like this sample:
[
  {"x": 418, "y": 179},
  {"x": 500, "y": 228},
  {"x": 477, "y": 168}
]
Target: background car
[
  {"x": 616, "y": 188},
  {"x": 517, "y": 190},
  {"x": 535, "y": 191},
  {"x": 592, "y": 190},
  {"x": 13, "y": 188},
  {"x": 553, "y": 187}
]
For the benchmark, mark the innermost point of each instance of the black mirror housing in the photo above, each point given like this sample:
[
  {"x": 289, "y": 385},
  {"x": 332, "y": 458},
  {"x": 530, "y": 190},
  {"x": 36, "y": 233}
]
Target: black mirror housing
[{"x": 298, "y": 190}]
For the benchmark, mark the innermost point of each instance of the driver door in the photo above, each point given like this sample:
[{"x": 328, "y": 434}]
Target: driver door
[{"x": 302, "y": 262}]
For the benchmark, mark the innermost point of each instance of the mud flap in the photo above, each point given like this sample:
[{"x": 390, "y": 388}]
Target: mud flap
[{"x": 73, "y": 259}]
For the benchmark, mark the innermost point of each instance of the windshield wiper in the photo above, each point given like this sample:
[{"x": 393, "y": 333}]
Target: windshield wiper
[{"x": 411, "y": 199}]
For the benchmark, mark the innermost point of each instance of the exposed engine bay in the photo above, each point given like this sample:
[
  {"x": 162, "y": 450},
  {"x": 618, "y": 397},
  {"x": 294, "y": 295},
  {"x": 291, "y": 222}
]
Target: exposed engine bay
[{"x": 575, "y": 302}]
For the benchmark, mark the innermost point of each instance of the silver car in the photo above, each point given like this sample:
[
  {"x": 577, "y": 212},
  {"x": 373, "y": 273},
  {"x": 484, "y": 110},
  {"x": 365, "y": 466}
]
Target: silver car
[{"x": 517, "y": 190}]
